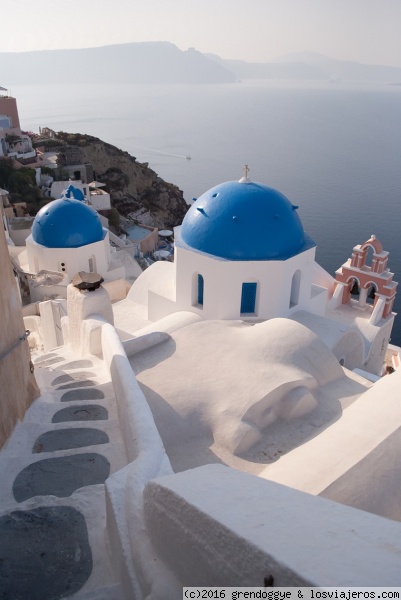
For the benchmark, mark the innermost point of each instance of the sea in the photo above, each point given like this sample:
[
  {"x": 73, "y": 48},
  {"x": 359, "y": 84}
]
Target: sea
[{"x": 333, "y": 148}]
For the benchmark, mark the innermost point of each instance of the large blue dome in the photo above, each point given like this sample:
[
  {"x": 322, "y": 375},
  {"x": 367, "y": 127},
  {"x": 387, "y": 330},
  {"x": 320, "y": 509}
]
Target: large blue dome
[
  {"x": 67, "y": 223},
  {"x": 243, "y": 220}
]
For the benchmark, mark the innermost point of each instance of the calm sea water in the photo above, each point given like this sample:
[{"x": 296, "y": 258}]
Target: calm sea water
[{"x": 332, "y": 149}]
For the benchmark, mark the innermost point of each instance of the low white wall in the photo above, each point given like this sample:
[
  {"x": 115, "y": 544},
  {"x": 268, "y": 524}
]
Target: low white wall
[
  {"x": 133, "y": 554},
  {"x": 144, "y": 342},
  {"x": 215, "y": 526},
  {"x": 139, "y": 431}
]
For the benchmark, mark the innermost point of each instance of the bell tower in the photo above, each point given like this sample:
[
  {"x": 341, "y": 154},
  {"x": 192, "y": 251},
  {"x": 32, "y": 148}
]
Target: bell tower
[{"x": 357, "y": 277}]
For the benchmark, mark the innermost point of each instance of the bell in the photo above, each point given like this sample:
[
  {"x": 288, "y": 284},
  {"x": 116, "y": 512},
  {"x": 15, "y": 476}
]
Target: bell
[
  {"x": 355, "y": 289},
  {"x": 372, "y": 293}
]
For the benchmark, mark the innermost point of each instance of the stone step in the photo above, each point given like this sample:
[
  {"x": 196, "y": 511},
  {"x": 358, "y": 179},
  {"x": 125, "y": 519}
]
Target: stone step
[
  {"x": 111, "y": 457},
  {"x": 77, "y": 395},
  {"x": 68, "y": 438},
  {"x": 25, "y": 435},
  {"x": 38, "y": 545},
  {"x": 80, "y": 413},
  {"x": 45, "y": 408},
  {"x": 60, "y": 476}
]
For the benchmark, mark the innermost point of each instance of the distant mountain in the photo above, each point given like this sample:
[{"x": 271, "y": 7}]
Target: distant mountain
[
  {"x": 162, "y": 62},
  {"x": 309, "y": 58},
  {"x": 148, "y": 62},
  {"x": 270, "y": 70},
  {"x": 310, "y": 65},
  {"x": 345, "y": 70}
]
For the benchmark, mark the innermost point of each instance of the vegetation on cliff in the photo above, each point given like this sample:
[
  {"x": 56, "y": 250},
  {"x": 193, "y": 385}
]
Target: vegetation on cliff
[
  {"x": 135, "y": 189},
  {"x": 21, "y": 185}
]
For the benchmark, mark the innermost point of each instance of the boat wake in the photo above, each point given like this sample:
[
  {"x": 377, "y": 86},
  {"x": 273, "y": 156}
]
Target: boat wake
[{"x": 162, "y": 153}]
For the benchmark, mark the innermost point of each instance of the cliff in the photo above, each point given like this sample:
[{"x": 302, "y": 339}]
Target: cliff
[{"x": 133, "y": 186}]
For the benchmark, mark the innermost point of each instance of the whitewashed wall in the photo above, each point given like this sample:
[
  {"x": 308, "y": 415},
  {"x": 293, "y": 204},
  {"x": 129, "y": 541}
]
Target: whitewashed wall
[
  {"x": 223, "y": 281},
  {"x": 74, "y": 259}
]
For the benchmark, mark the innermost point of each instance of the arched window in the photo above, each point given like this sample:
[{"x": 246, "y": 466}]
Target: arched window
[
  {"x": 248, "y": 298},
  {"x": 200, "y": 289},
  {"x": 295, "y": 287}
]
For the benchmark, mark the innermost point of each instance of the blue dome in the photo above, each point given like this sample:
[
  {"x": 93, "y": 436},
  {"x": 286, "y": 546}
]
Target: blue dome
[
  {"x": 243, "y": 220},
  {"x": 67, "y": 223}
]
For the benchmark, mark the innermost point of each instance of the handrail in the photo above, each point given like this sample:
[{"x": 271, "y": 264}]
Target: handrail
[{"x": 21, "y": 339}]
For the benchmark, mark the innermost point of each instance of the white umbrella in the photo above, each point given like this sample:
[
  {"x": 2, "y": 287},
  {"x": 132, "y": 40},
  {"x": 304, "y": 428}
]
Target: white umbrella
[
  {"x": 96, "y": 184},
  {"x": 165, "y": 232},
  {"x": 161, "y": 253}
]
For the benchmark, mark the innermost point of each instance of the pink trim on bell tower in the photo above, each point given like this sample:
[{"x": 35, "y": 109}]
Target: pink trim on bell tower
[{"x": 376, "y": 275}]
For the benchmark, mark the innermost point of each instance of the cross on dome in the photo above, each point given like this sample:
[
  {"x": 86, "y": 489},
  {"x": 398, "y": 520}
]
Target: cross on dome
[{"x": 244, "y": 178}]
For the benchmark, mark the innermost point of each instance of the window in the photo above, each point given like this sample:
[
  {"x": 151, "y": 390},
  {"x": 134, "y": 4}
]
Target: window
[
  {"x": 200, "y": 289},
  {"x": 92, "y": 264},
  {"x": 295, "y": 286},
  {"x": 248, "y": 298}
]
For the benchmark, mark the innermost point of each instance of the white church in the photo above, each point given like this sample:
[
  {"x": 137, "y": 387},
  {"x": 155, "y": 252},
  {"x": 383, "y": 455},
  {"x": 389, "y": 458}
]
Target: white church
[
  {"x": 242, "y": 253},
  {"x": 253, "y": 433},
  {"x": 68, "y": 237}
]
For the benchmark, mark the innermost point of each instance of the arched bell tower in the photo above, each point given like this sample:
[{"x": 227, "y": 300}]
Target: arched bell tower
[{"x": 357, "y": 276}]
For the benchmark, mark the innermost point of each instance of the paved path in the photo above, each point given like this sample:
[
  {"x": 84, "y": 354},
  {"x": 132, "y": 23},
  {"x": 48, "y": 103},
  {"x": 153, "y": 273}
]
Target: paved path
[{"x": 52, "y": 472}]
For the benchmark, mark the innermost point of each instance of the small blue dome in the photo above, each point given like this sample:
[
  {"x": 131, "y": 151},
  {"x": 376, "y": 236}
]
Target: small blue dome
[
  {"x": 73, "y": 192},
  {"x": 243, "y": 220},
  {"x": 67, "y": 223}
]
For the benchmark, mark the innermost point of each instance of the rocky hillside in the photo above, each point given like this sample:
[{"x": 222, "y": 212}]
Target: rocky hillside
[{"x": 135, "y": 189}]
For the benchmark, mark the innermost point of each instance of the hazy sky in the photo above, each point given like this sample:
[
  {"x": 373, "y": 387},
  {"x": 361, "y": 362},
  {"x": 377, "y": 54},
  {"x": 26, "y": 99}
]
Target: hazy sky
[{"x": 256, "y": 30}]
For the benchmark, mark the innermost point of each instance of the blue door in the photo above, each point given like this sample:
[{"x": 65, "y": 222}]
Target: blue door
[{"x": 248, "y": 298}]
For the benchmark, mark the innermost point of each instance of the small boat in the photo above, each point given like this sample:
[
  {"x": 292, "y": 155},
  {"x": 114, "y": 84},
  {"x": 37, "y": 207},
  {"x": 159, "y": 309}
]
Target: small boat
[{"x": 188, "y": 157}]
